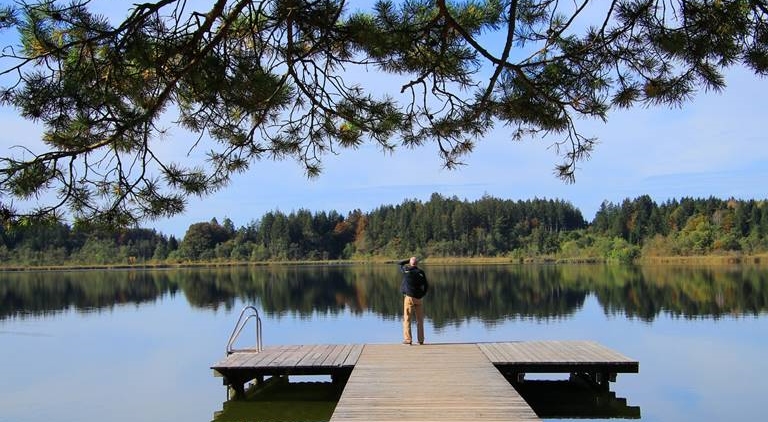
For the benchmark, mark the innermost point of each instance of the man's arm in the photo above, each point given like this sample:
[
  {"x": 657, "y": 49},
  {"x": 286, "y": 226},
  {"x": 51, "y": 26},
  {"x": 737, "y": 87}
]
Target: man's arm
[{"x": 404, "y": 265}]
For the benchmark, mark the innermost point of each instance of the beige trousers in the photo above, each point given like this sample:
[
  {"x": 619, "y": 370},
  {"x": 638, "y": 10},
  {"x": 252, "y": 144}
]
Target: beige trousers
[{"x": 413, "y": 309}]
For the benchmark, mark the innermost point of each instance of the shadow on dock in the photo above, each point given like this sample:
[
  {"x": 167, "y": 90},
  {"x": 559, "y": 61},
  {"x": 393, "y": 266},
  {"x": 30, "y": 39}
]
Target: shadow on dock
[{"x": 281, "y": 398}]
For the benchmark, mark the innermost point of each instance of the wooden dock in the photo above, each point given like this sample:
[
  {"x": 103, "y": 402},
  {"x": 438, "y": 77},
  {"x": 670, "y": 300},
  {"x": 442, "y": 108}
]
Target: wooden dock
[
  {"x": 433, "y": 382},
  {"x": 447, "y": 382},
  {"x": 336, "y": 360},
  {"x": 586, "y": 359}
]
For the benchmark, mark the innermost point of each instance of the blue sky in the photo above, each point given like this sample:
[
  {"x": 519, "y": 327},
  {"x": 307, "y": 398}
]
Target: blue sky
[{"x": 713, "y": 146}]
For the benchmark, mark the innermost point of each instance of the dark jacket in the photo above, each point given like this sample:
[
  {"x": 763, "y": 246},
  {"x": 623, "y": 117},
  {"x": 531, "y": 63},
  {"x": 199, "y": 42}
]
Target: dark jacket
[{"x": 414, "y": 280}]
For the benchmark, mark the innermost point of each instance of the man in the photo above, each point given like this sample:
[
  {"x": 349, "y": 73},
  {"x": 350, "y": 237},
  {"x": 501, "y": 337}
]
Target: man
[{"x": 413, "y": 287}]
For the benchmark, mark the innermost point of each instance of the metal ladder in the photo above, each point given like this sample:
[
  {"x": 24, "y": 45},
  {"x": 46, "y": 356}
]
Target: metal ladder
[{"x": 241, "y": 322}]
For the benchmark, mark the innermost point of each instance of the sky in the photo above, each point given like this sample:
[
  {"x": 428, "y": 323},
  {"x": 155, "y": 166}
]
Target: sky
[{"x": 714, "y": 145}]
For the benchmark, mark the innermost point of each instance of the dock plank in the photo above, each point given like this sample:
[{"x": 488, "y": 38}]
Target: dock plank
[
  {"x": 316, "y": 356},
  {"x": 333, "y": 355},
  {"x": 283, "y": 358},
  {"x": 558, "y": 356},
  {"x": 353, "y": 356},
  {"x": 453, "y": 382}
]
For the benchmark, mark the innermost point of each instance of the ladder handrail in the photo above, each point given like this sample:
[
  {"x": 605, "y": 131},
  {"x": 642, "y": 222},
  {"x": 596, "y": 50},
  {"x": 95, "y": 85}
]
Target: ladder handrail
[{"x": 241, "y": 324}]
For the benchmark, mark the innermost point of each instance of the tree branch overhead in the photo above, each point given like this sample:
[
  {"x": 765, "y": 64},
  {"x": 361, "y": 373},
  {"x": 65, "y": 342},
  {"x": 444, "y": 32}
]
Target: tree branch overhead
[{"x": 271, "y": 79}]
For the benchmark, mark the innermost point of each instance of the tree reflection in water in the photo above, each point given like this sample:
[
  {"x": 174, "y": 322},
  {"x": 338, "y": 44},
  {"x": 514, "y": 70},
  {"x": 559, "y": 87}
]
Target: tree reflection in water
[
  {"x": 490, "y": 293},
  {"x": 281, "y": 400},
  {"x": 571, "y": 399}
]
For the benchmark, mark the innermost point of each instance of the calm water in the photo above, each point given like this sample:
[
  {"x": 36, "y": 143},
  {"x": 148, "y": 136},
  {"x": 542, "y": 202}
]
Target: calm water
[{"x": 137, "y": 345}]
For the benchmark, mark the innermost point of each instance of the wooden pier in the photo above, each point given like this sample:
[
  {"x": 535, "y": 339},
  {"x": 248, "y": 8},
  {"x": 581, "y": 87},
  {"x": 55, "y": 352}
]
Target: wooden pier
[
  {"x": 244, "y": 365},
  {"x": 451, "y": 382},
  {"x": 585, "y": 359},
  {"x": 433, "y": 382}
]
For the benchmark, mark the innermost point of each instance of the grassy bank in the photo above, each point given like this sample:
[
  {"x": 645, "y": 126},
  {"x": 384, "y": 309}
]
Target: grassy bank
[{"x": 707, "y": 260}]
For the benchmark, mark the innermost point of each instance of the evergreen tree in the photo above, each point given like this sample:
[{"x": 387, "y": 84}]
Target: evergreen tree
[{"x": 274, "y": 78}]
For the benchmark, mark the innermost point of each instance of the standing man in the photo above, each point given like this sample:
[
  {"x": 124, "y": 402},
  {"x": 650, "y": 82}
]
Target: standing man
[{"x": 413, "y": 287}]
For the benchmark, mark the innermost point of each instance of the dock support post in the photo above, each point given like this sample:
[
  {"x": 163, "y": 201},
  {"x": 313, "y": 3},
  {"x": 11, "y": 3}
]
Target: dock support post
[
  {"x": 235, "y": 391},
  {"x": 600, "y": 380},
  {"x": 236, "y": 386}
]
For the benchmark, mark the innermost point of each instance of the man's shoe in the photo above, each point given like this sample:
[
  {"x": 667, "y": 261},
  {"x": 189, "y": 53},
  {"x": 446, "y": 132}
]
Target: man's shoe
[{"x": 407, "y": 342}]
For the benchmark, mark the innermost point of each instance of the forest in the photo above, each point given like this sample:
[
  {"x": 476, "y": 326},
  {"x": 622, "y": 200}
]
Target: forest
[{"x": 442, "y": 227}]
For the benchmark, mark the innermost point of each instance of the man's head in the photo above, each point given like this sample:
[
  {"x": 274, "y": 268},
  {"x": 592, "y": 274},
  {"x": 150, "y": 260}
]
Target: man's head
[{"x": 414, "y": 261}]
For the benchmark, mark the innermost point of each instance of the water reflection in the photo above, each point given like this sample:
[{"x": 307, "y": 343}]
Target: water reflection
[
  {"x": 571, "y": 399},
  {"x": 285, "y": 401},
  {"x": 490, "y": 293}
]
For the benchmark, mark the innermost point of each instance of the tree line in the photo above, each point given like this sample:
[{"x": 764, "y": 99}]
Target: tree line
[{"x": 440, "y": 227}]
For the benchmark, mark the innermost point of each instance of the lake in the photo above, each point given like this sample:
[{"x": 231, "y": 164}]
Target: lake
[{"x": 137, "y": 345}]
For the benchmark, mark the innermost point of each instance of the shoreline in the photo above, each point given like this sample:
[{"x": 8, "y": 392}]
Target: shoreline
[{"x": 759, "y": 259}]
